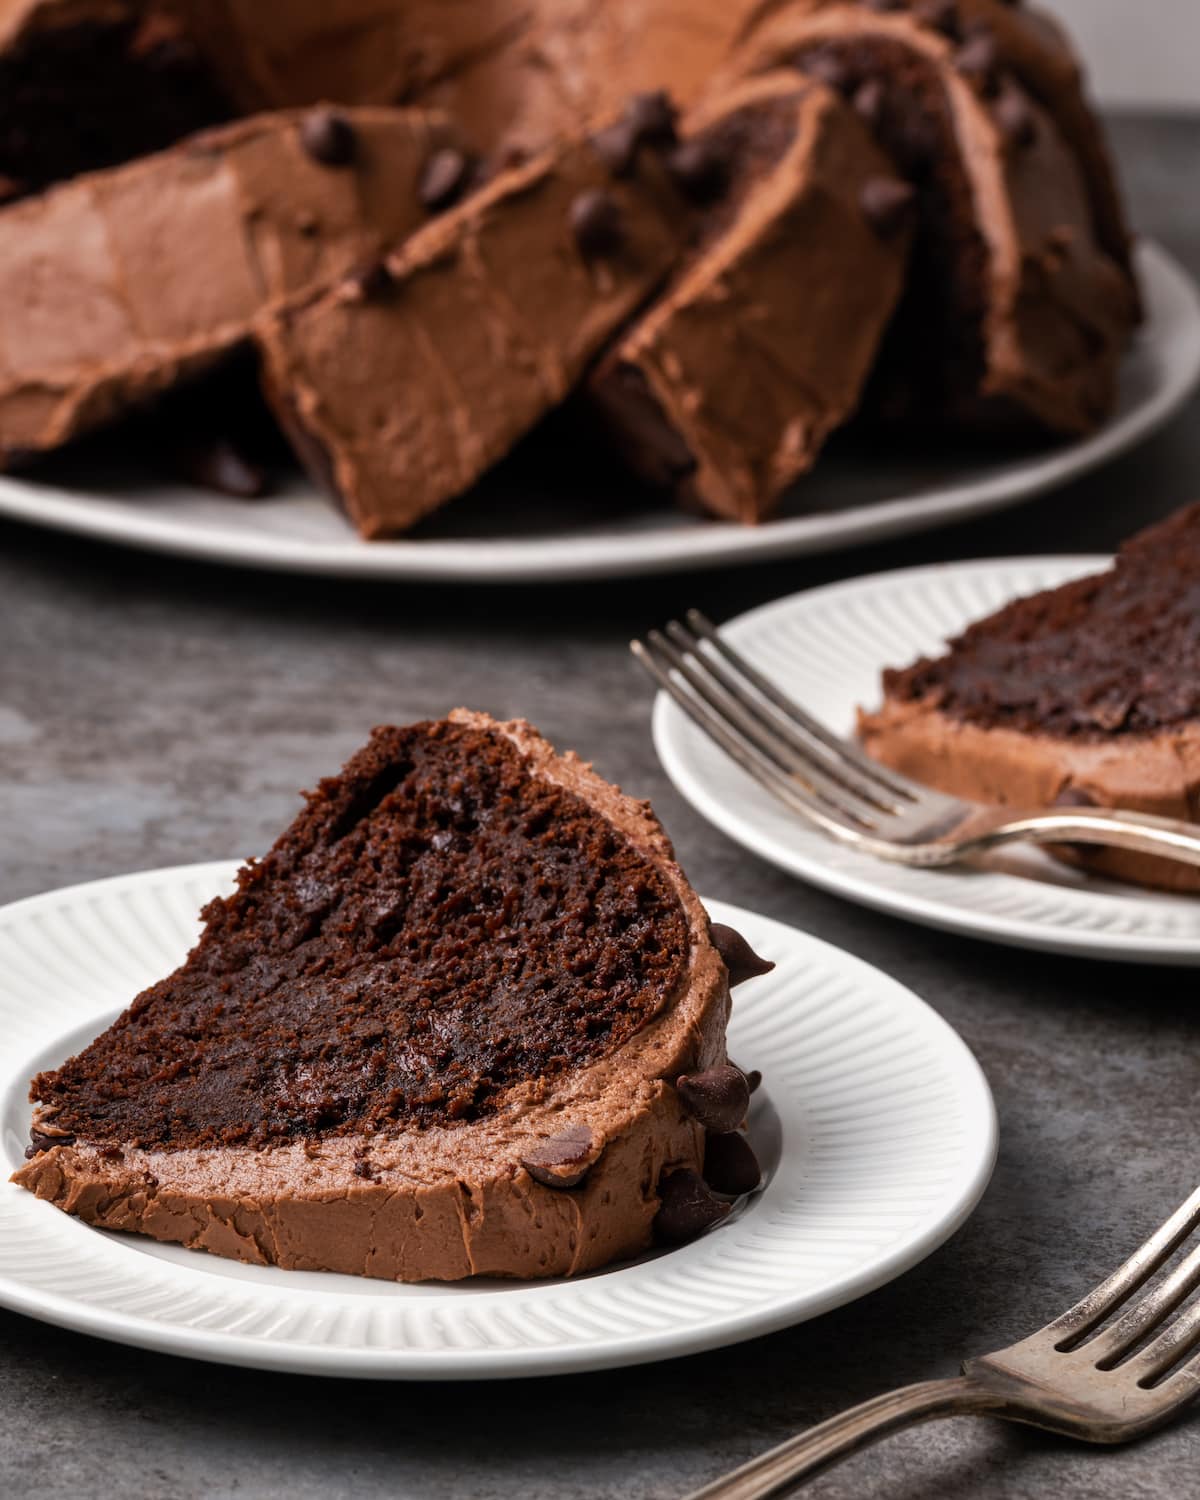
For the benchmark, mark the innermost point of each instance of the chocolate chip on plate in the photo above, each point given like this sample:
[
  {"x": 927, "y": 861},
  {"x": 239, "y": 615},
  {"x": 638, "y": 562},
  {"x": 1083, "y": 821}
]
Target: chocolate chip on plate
[
  {"x": 887, "y": 203},
  {"x": 718, "y": 1098},
  {"x": 328, "y": 137},
  {"x": 687, "y": 1207},
  {"x": 562, "y": 1160},
  {"x": 596, "y": 222},
  {"x": 367, "y": 282},
  {"x": 443, "y": 178},
  {"x": 730, "y": 1165},
  {"x": 652, "y": 118},
  {"x": 739, "y": 957},
  {"x": 616, "y": 146}
]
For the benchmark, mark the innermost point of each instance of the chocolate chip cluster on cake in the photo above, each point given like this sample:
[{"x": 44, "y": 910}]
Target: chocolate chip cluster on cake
[
  {"x": 725, "y": 227},
  {"x": 466, "y": 1017},
  {"x": 1083, "y": 695}
]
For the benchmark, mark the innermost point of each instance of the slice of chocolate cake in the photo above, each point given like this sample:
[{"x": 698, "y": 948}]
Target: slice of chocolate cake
[
  {"x": 86, "y": 84},
  {"x": 727, "y": 388},
  {"x": 466, "y": 1017},
  {"x": 1020, "y": 300},
  {"x": 1084, "y": 695},
  {"x": 117, "y": 285},
  {"x": 400, "y": 388}
]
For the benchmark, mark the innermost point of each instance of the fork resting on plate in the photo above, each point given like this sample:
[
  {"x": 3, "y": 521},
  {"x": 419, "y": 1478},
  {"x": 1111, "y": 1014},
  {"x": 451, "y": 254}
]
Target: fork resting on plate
[{"x": 833, "y": 785}]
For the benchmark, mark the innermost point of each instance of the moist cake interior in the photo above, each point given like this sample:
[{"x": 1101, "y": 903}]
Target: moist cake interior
[
  {"x": 101, "y": 93},
  {"x": 436, "y": 925}
]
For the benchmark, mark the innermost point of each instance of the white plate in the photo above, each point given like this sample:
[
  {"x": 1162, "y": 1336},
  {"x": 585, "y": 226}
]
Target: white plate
[
  {"x": 875, "y": 1126},
  {"x": 828, "y": 647},
  {"x": 513, "y": 532}
]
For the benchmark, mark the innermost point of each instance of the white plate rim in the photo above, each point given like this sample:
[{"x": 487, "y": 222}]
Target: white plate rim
[
  {"x": 77, "y": 1314},
  {"x": 648, "y": 552},
  {"x": 856, "y": 887}
]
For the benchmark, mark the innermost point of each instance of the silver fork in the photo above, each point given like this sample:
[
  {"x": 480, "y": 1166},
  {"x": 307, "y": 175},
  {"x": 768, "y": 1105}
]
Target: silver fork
[
  {"x": 835, "y": 786},
  {"x": 1103, "y": 1384}
]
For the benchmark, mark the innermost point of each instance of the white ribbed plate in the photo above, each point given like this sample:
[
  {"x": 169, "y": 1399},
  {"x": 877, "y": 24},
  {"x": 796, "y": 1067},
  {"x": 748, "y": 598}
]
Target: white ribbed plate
[
  {"x": 827, "y": 647},
  {"x": 875, "y": 1125},
  {"x": 511, "y": 533}
]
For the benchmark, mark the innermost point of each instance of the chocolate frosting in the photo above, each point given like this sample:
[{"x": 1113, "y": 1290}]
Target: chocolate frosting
[
  {"x": 405, "y": 393},
  {"x": 450, "y": 1200},
  {"x": 118, "y": 284},
  {"x": 728, "y": 387},
  {"x": 1013, "y": 278}
]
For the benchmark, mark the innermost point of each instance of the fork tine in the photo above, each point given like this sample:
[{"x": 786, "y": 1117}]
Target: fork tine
[
  {"x": 1074, "y": 1325},
  {"x": 751, "y": 760},
  {"x": 1113, "y": 1343},
  {"x": 1172, "y": 1345},
  {"x": 757, "y": 732},
  {"x": 807, "y": 754},
  {"x": 898, "y": 785}
]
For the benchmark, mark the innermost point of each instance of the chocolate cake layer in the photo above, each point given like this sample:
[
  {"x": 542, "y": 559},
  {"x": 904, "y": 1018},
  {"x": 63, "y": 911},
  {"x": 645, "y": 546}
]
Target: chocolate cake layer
[
  {"x": 401, "y": 388},
  {"x": 86, "y": 84},
  {"x": 466, "y": 1018},
  {"x": 1083, "y": 695},
  {"x": 117, "y": 285},
  {"x": 1116, "y": 654},
  {"x": 1017, "y": 310},
  {"x": 726, "y": 389},
  {"x": 436, "y": 926}
]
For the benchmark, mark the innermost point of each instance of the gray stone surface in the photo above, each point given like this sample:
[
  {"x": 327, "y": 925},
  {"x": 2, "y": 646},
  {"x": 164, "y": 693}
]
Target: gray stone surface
[{"x": 153, "y": 712}]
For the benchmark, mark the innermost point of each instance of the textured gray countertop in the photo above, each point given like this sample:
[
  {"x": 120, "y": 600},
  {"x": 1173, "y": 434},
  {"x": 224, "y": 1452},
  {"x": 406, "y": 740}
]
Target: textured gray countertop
[{"x": 154, "y": 712}]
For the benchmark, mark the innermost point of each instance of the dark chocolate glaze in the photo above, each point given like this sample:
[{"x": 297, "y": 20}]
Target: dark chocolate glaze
[
  {"x": 1117, "y": 653},
  {"x": 435, "y": 926}
]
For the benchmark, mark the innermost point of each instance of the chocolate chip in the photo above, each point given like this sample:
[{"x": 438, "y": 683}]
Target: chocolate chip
[
  {"x": 596, "y": 222},
  {"x": 39, "y": 1140},
  {"x": 1074, "y": 796},
  {"x": 563, "y": 1159},
  {"x": 827, "y": 68},
  {"x": 887, "y": 203},
  {"x": 941, "y": 15},
  {"x": 699, "y": 170},
  {"x": 730, "y": 1165},
  {"x": 739, "y": 957},
  {"x": 328, "y": 137},
  {"x": 367, "y": 282},
  {"x": 718, "y": 1097},
  {"x": 977, "y": 60},
  {"x": 1013, "y": 115},
  {"x": 868, "y": 101},
  {"x": 217, "y": 463},
  {"x": 687, "y": 1207},
  {"x": 443, "y": 178},
  {"x": 652, "y": 119},
  {"x": 754, "y": 1080},
  {"x": 364, "y": 1169}
]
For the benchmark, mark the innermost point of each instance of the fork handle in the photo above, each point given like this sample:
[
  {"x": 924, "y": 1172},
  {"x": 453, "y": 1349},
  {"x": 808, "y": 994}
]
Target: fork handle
[
  {"x": 1146, "y": 833},
  {"x": 801, "y": 1457}
]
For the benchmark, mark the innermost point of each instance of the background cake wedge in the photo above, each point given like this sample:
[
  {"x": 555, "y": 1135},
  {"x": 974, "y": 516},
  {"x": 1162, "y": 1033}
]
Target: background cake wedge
[
  {"x": 118, "y": 284},
  {"x": 727, "y": 387}
]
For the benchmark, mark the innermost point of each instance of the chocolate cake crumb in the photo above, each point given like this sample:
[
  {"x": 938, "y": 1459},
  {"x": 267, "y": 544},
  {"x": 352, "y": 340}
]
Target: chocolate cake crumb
[
  {"x": 436, "y": 926},
  {"x": 1116, "y": 653}
]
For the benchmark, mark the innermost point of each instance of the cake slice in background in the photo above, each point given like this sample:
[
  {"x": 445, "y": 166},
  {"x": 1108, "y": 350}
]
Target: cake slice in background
[
  {"x": 1020, "y": 300},
  {"x": 119, "y": 284},
  {"x": 1087, "y": 695},
  {"x": 401, "y": 388},
  {"x": 86, "y": 84},
  {"x": 466, "y": 1017},
  {"x": 727, "y": 387}
]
